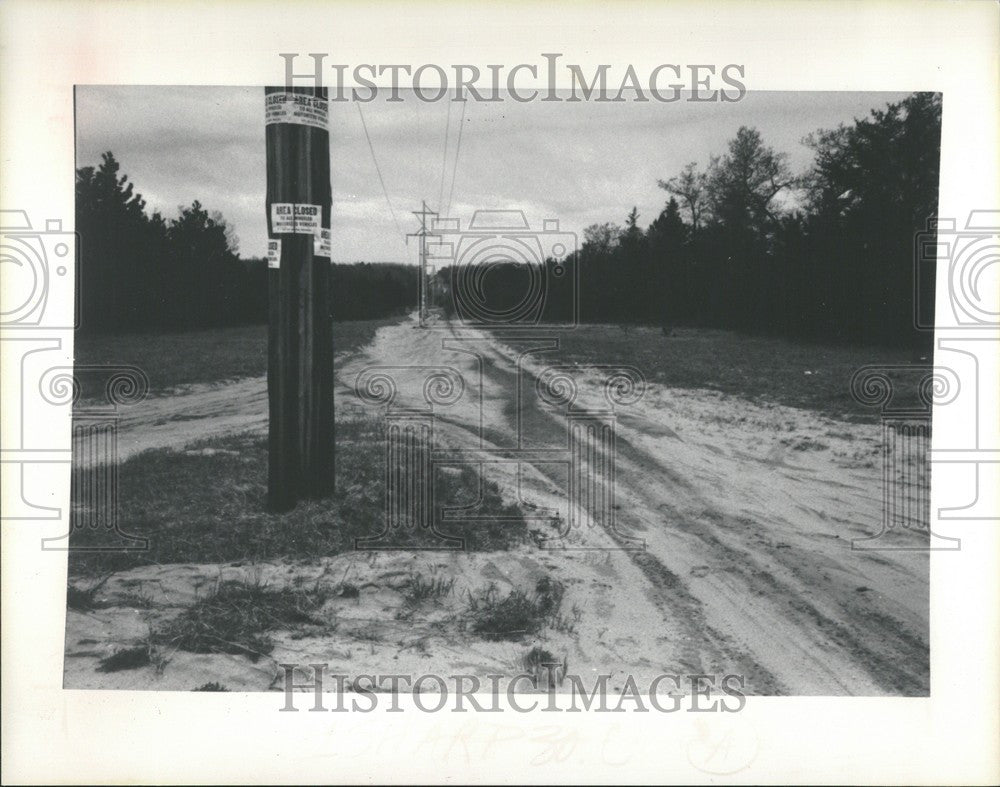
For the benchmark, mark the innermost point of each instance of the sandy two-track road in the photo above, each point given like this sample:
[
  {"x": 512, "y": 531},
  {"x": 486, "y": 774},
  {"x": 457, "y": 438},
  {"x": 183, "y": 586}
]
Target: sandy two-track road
[{"x": 745, "y": 514}]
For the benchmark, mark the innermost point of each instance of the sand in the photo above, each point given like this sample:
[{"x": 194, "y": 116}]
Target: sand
[{"x": 732, "y": 549}]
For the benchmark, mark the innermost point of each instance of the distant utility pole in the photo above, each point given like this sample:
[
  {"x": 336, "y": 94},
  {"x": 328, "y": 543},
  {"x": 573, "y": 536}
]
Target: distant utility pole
[
  {"x": 423, "y": 234},
  {"x": 300, "y": 328}
]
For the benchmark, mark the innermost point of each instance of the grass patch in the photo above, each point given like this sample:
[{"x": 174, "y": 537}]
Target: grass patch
[
  {"x": 537, "y": 657},
  {"x": 126, "y": 659},
  {"x": 348, "y": 590},
  {"x": 135, "y": 600},
  {"x": 805, "y": 444},
  {"x": 204, "y": 356},
  {"x": 545, "y": 668},
  {"x": 754, "y": 367},
  {"x": 511, "y": 617},
  {"x": 421, "y": 588},
  {"x": 198, "y": 507},
  {"x": 85, "y": 599},
  {"x": 237, "y": 617},
  {"x": 213, "y": 686}
]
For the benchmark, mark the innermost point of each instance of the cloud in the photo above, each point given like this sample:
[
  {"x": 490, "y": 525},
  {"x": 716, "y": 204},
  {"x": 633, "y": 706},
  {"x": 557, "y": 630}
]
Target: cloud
[{"x": 581, "y": 162}]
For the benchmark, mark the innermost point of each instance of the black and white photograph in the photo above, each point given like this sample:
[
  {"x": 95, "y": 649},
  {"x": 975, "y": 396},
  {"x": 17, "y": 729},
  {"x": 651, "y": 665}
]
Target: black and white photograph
[
  {"x": 610, "y": 407},
  {"x": 448, "y": 401}
]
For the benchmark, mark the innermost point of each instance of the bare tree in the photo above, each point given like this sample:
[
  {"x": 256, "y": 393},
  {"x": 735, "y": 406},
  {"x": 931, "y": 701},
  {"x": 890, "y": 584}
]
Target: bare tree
[
  {"x": 743, "y": 183},
  {"x": 691, "y": 186}
]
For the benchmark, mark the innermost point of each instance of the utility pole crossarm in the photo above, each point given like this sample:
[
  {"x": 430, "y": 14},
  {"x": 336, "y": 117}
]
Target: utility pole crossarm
[{"x": 423, "y": 234}]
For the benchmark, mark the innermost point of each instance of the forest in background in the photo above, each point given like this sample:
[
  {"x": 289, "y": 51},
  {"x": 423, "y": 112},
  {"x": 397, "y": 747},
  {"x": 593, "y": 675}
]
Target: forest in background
[
  {"x": 742, "y": 243},
  {"x": 142, "y": 272}
]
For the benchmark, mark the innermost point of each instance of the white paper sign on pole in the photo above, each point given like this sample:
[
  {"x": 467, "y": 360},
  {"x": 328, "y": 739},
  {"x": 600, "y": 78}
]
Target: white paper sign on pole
[
  {"x": 300, "y": 219},
  {"x": 273, "y": 253},
  {"x": 297, "y": 108},
  {"x": 322, "y": 243}
]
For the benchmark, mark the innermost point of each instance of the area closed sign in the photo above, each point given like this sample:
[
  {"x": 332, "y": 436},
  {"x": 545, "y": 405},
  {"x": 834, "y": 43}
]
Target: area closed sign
[
  {"x": 289, "y": 217},
  {"x": 298, "y": 108}
]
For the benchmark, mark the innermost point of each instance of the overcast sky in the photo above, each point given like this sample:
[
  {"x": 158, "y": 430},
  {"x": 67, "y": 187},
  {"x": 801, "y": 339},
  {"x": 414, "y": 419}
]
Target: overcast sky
[{"x": 580, "y": 163}]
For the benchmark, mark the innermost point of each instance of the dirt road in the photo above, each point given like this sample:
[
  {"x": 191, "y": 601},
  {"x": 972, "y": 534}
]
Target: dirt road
[{"x": 739, "y": 518}]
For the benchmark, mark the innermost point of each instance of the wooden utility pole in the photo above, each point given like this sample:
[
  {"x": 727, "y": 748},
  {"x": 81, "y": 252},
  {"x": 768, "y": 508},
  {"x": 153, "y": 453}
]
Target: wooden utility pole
[
  {"x": 423, "y": 234},
  {"x": 300, "y": 329}
]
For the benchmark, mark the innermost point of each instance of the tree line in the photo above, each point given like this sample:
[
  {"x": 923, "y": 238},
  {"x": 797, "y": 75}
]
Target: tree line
[
  {"x": 744, "y": 243},
  {"x": 741, "y": 243},
  {"x": 141, "y": 271}
]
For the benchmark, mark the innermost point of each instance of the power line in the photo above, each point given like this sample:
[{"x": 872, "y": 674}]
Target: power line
[
  {"x": 423, "y": 234},
  {"x": 458, "y": 152},
  {"x": 379, "y": 171},
  {"x": 444, "y": 155}
]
